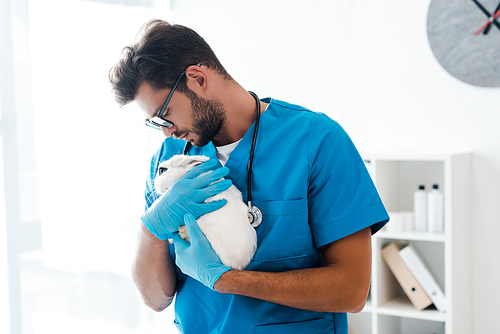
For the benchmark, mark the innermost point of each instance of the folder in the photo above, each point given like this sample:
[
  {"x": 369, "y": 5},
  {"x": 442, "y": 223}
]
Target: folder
[
  {"x": 419, "y": 269},
  {"x": 408, "y": 282}
]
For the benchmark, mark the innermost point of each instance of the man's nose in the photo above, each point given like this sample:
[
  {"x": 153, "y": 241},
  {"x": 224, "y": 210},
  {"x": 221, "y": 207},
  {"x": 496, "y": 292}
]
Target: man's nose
[{"x": 168, "y": 131}]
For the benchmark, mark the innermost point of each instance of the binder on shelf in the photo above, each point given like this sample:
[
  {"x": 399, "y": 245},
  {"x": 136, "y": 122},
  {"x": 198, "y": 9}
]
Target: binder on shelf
[
  {"x": 408, "y": 282},
  {"x": 419, "y": 269}
]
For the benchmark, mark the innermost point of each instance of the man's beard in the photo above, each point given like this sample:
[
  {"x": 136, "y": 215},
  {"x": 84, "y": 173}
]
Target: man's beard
[{"x": 208, "y": 119}]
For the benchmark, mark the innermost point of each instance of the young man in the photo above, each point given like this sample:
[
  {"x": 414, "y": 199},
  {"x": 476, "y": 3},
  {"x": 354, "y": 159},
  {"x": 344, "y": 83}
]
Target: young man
[{"x": 318, "y": 203}]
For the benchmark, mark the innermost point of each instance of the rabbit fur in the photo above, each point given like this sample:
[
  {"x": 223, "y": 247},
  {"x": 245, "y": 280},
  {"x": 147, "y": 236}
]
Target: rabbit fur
[{"x": 227, "y": 229}]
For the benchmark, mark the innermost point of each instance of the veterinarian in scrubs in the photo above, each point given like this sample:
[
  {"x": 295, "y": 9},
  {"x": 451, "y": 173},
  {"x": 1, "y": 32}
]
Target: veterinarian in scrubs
[{"x": 319, "y": 205}]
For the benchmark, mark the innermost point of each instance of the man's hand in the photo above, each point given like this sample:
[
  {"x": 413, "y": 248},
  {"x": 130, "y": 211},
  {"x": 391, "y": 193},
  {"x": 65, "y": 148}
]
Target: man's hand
[
  {"x": 198, "y": 259},
  {"x": 186, "y": 195}
]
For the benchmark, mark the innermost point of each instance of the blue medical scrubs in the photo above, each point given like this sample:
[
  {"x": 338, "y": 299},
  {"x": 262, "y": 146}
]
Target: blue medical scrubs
[{"x": 312, "y": 187}]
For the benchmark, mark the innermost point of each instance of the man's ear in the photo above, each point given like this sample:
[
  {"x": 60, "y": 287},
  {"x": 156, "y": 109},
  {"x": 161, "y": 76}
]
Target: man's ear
[{"x": 197, "y": 78}]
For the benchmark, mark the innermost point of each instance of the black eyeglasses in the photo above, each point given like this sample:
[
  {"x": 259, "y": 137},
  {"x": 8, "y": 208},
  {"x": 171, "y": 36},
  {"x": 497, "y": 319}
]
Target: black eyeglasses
[{"x": 156, "y": 122}]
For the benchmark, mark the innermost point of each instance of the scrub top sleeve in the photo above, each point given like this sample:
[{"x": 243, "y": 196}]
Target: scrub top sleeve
[
  {"x": 149, "y": 191},
  {"x": 342, "y": 198}
]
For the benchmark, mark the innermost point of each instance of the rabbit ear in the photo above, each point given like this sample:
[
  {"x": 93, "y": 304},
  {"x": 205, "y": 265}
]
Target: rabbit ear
[
  {"x": 196, "y": 160},
  {"x": 194, "y": 163}
]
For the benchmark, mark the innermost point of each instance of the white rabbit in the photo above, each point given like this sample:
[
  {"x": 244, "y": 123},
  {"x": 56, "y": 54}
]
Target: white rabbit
[{"x": 227, "y": 229}]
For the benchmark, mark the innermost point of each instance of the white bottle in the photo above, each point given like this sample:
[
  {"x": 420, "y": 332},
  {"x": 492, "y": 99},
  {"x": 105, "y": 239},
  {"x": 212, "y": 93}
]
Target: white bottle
[
  {"x": 435, "y": 219},
  {"x": 420, "y": 209}
]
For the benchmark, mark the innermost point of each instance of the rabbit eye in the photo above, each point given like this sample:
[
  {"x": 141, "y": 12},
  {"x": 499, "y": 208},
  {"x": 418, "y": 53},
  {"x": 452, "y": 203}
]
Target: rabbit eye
[{"x": 162, "y": 170}]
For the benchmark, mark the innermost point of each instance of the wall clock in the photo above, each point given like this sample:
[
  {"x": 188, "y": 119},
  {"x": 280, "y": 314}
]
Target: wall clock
[{"x": 464, "y": 35}]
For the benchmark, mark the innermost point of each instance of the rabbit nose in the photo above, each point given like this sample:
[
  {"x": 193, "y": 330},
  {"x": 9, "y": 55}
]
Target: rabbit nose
[{"x": 162, "y": 170}]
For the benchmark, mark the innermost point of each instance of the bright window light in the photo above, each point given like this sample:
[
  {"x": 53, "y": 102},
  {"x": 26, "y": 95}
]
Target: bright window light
[{"x": 86, "y": 162}]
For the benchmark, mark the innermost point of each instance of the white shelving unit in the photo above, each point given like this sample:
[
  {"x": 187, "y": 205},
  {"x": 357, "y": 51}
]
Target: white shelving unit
[{"x": 388, "y": 309}]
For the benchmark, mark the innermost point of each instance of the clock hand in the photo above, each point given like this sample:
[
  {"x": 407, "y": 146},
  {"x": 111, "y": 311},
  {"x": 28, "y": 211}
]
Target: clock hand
[
  {"x": 488, "y": 27},
  {"x": 482, "y": 8},
  {"x": 487, "y": 14},
  {"x": 497, "y": 14}
]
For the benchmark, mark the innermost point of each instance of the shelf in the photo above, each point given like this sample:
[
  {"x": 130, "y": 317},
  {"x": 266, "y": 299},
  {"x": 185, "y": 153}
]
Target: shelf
[
  {"x": 397, "y": 175},
  {"x": 402, "y": 307},
  {"x": 411, "y": 236}
]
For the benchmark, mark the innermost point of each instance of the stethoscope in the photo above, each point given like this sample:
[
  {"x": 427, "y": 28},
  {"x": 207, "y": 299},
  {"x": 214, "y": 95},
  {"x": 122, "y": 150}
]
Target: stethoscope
[{"x": 254, "y": 213}]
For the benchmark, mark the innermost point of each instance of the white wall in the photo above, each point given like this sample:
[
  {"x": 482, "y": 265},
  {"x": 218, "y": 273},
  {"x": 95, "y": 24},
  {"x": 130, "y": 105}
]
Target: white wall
[{"x": 368, "y": 65}]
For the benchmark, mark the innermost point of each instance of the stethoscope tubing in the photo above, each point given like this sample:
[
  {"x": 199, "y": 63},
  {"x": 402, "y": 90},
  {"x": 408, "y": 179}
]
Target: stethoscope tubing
[
  {"x": 254, "y": 213},
  {"x": 252, "y": 151}
]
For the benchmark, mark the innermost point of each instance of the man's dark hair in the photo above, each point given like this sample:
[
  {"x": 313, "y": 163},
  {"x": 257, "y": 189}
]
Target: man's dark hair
[{"x": 163, "y": 51}]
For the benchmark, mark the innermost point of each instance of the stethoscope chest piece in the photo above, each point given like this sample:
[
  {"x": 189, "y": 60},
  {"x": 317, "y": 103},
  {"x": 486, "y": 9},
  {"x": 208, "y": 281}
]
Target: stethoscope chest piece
[{"x": 254, "y": 216}]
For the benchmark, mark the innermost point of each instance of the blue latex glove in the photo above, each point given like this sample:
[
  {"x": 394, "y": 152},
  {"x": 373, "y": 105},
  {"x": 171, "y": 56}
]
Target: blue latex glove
[
  {"x": 197, "y": 259},
  {"x": 186, "y": 195}
]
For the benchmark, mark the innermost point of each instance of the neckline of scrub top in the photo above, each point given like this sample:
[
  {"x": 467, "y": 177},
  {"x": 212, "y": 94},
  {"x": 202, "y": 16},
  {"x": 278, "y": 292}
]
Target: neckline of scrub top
[
  {"x": 223, "y": 152},
  {"x": 238, "y": 160}
]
